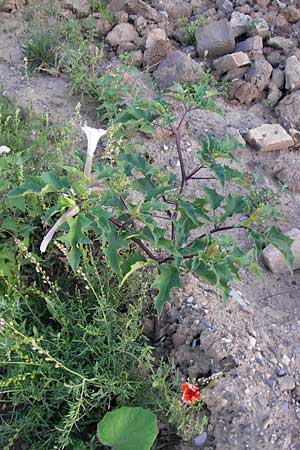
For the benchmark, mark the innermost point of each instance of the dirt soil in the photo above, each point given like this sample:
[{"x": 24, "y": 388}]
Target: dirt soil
[{"x": 249, "y": 349}]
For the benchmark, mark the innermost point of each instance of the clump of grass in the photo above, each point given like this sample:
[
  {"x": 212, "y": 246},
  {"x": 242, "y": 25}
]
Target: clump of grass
[{"x": 40, "y": 51}]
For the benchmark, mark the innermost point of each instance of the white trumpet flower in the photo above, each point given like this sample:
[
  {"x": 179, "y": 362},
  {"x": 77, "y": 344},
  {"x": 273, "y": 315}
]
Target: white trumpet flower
[
  {"x": 72, "y": 212},
  {"x": 4, "y": 149},
  {"x": 93, "y": 136}
]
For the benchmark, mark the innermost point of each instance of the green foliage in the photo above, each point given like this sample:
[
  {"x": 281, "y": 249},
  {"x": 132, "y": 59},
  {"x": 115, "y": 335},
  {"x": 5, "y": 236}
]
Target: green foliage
[
  {"x": 40, "y": 51},
  {"x": 128, "y": 429},
  {"x": 68, "y": 353},
  {"x": 189, "y": 28},
  {"x": 71, "y": 342},
  {"x": 138, "y": 208}
]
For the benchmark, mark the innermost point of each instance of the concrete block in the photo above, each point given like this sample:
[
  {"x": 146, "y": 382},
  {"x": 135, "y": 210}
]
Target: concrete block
[{"x": 269, "y": 137}]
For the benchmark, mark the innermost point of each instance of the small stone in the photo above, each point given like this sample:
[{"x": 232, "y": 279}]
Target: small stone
[
  {"x": 102, "y": 25},
  {"x": 269, "y": 137},
  {"x": 215, "y": 39},
  {"x": 284, "y": 407},
  {"x": 295, "y": 134},
  {"x": 200, "y": 439},
  {"x": 252, "y": 341},
  {"x": 280, "y": 372},
  {"x": 251, "y": 44},
  {"x": 230, "y": 62},
  {"x": 286, "y": 383},
  {"x": 178, "y": 339},
  {"x": 292, "y": 74},
  {"x": 274, "y": 258},
  {"x": 289, "y": 108},
  {"x": 286, "y": 360}
]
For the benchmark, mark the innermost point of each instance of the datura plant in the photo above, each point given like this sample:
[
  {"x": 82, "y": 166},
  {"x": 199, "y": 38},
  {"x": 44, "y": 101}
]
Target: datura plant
[{"x": 138, "y": 216}]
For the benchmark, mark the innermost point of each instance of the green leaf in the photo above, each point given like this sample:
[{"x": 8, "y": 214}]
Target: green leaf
[
  {"x": 130, "y": 260},
  {"x": 128, "y": 429},
  {"x": 51, "y": 179},
  {"x": 235, "y": 204},
  {"x": 134, "y": 268},
  {"x": 76, "y": 237},
  {"x": 283, "y": 244},
  {"x": 213, "y": 198},
  {"x": 115, "y": 243},
  {"x": 167, "y": 279},
  {"x": 24, "y": 189}
]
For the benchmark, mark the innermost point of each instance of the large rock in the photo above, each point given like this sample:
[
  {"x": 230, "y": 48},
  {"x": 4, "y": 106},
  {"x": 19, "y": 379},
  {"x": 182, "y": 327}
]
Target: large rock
[
  {"x": 155, "y": 54},
  {"x": 215, "y": 38},
  {"x": 259, "y": 74},
  {"x": 292, "y": 74},
  {"x": 177, "y": 67},
  {"x": 269, "y": 137},
  {"x": 274, "y": 258},
  {"x": 289, "y": 108},
  {"x": 281, "y": 43},
  {"x": 244, "y": 91},
  {"x": 123, "y": 32},
  {"x": 230, "y": 62},
  {"x": 157, "y": 34},
  {"x": 81, "y": 8},
  {"x": 239, "y": 23}
]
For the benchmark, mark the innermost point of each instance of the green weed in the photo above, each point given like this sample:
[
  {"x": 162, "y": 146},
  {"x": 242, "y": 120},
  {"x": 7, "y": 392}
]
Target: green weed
[{"x": 40, "y": 51}]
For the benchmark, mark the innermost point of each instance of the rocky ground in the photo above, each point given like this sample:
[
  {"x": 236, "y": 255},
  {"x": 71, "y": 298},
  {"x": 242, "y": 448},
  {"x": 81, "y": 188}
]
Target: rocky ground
[{"x": 246, "y": 354}]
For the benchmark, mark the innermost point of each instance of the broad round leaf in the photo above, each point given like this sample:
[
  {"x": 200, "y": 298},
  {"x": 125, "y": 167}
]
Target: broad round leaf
[{"x": 128, "y": 429}]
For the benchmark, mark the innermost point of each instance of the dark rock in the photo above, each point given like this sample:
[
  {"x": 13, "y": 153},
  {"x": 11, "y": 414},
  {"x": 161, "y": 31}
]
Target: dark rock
[
  {"x": 177, "y": 67},
  {"x": 259, "y": 74},
  {"x": 215, "y": 38},
  {"x": 250, "y": 44}
]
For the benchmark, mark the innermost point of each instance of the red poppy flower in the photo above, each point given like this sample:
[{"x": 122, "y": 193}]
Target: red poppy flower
[{"x": 191, "y": 393}]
